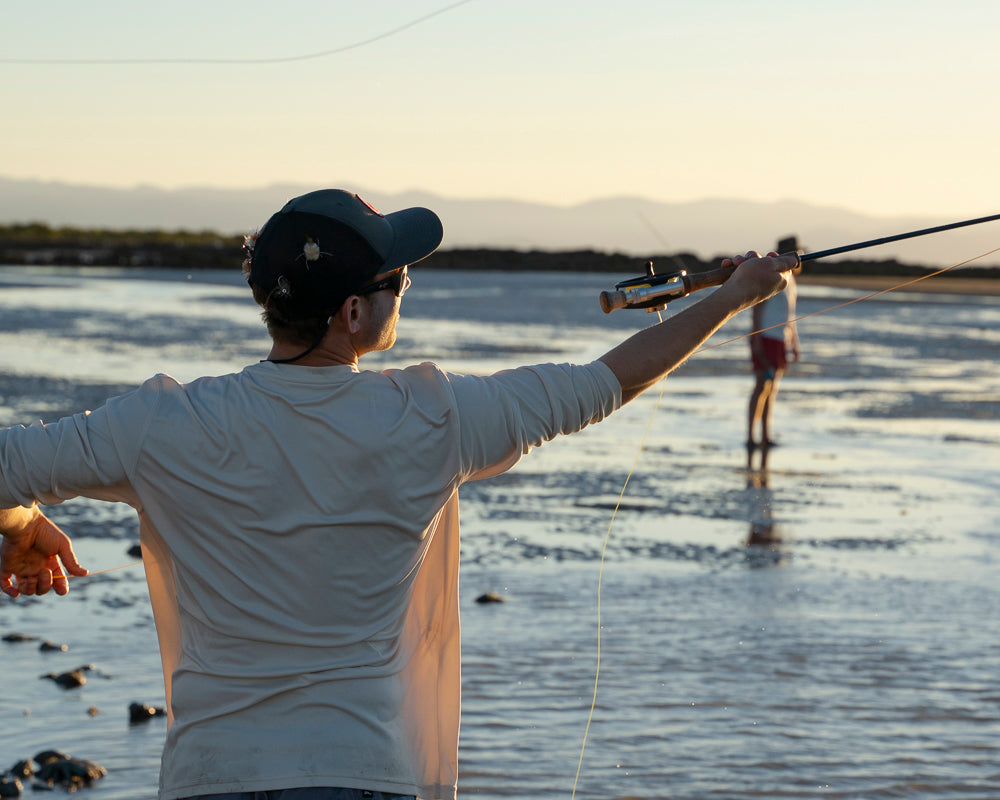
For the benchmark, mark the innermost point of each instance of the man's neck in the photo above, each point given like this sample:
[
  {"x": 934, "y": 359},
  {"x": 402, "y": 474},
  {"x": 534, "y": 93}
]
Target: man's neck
[{"x": 326, "y": 354}]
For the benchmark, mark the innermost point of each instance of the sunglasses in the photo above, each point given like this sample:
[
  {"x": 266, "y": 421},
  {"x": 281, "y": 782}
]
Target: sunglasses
[{"x": 398, "y": 281}]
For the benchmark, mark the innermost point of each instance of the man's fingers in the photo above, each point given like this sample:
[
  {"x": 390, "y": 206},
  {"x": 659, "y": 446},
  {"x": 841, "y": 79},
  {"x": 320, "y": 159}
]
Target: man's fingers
[
  {"x": 68, "y": 558},
  {"x": 60, "y": 583},
  {"x": 788, "y": 262},
  {"x": 43, "y": 581},
  {"x": 7, "y": 587},
  {"x": 34, "y": 573}
]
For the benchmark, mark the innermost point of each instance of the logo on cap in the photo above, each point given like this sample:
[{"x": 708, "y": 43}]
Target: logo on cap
[{"x": 369, "y": 205}]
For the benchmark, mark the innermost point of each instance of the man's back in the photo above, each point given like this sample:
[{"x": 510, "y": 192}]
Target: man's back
[
  {"x": 301, "y": 532},
  {"x": 286, "y": 510}
]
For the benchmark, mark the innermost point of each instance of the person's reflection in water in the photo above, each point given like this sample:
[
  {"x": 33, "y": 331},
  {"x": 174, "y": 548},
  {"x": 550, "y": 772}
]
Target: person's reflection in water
[{"x": 764, "y": 531}]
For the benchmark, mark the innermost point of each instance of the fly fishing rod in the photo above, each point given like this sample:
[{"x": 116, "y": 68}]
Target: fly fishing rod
[{"x": 652, "y": 292}]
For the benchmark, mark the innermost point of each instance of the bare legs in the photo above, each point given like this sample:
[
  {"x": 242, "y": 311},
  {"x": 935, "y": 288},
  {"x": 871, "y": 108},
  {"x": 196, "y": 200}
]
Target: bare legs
[{"x": 761, "y": 405}]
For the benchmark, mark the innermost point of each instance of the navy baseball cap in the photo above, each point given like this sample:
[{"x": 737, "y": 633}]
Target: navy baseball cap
[{"x": 323, "y": 246}]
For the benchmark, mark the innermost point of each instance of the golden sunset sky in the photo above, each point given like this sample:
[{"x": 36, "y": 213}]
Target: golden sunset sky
[{"x": 879, "y": 106}]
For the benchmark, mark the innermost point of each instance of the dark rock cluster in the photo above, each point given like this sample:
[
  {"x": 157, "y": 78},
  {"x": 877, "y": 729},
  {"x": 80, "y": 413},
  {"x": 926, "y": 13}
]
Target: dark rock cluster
[{"x": 50, "y": 769}]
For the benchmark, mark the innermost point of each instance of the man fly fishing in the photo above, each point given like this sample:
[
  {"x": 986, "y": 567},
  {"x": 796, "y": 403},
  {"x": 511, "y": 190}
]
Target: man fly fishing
[{"x": 299, "y": 519}]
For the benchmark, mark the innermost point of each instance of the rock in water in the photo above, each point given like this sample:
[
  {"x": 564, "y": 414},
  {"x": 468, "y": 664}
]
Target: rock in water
[
  {"x": 68, "y": 680},
  {"x": 19, "y": 637},
  {"x": 59, "y": 769},
  {"x": 140, "y": 712},
  {"x": 22, "y": 769}
]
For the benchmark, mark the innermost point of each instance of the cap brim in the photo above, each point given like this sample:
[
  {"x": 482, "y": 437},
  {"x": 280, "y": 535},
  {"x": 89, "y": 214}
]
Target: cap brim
[{"x": 417, "y": 233}]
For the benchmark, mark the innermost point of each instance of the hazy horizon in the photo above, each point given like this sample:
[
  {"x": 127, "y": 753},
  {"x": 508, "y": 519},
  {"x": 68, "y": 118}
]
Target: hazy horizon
[{"x": 631, "y": 225}]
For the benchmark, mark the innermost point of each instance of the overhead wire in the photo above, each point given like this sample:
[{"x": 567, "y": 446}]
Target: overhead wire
[{"x": 262, "y": 60}]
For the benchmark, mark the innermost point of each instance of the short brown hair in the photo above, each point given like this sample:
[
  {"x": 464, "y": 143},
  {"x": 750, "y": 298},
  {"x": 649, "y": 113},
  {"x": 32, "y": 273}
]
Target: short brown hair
[{"x": 283, "y": 327}]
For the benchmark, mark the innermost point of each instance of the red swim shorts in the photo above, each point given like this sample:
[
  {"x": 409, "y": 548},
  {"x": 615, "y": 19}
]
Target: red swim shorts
[{"x": 773, "y": 351}]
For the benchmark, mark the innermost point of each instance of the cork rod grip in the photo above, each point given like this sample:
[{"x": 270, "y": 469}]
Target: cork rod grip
[{"x": 702, "y": 280}]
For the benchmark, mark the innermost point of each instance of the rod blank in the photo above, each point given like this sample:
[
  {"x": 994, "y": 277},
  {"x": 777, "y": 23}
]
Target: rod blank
[
  {"x": 847, "y": 248},
  {"x": 646, "y": 294}
]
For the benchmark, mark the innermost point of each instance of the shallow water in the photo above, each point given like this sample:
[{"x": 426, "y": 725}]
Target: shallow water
[{"x": 853, "y": 657}]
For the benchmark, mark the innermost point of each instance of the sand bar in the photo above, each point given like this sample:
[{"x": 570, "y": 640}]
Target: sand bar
[{"x": 941, "y": 284}]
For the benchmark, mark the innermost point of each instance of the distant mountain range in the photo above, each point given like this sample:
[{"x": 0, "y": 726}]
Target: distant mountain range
[{"x": 630, "y": 225}]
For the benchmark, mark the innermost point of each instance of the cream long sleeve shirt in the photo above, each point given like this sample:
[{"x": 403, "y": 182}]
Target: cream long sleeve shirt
[{"x": 300, "y": 538}]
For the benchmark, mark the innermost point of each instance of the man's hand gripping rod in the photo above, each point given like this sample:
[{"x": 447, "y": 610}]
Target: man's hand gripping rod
[{"x": 653, "y": 292}]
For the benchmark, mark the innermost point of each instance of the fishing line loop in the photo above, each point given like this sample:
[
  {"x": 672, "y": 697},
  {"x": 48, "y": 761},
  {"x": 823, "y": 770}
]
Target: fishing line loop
[
  {"x": 854, "y": 300},
  {"x": 628, "y": 477},
  {"x": 642, "y": 443}
]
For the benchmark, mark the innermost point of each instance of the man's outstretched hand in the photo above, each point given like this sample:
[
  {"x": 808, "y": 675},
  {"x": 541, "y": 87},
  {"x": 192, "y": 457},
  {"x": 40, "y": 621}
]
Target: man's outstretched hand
[{"x": 35, "y": 555}]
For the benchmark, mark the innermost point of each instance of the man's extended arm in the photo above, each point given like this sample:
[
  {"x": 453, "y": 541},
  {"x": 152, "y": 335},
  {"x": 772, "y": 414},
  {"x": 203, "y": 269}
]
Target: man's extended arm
[
  {"x": 36, "y": 551},
  {"x": 644, "y": 358}
]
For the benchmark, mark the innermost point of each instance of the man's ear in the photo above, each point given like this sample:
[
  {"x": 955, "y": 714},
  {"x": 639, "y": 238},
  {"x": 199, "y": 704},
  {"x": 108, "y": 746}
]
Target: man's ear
[{"x": 349, "y": 315}]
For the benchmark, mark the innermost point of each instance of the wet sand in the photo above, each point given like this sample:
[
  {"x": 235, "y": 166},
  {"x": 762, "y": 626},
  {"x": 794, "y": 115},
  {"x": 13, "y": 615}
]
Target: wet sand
[{"x": 850, "y": 655}]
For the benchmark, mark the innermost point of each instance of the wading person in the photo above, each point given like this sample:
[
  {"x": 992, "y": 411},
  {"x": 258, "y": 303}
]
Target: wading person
[
  {"x": 299, "y": 519},
  {"x": 774, "y": 342}
]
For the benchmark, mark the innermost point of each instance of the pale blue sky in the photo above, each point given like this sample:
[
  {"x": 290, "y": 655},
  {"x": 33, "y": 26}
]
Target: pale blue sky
[{"x": 880, "y": 106}]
